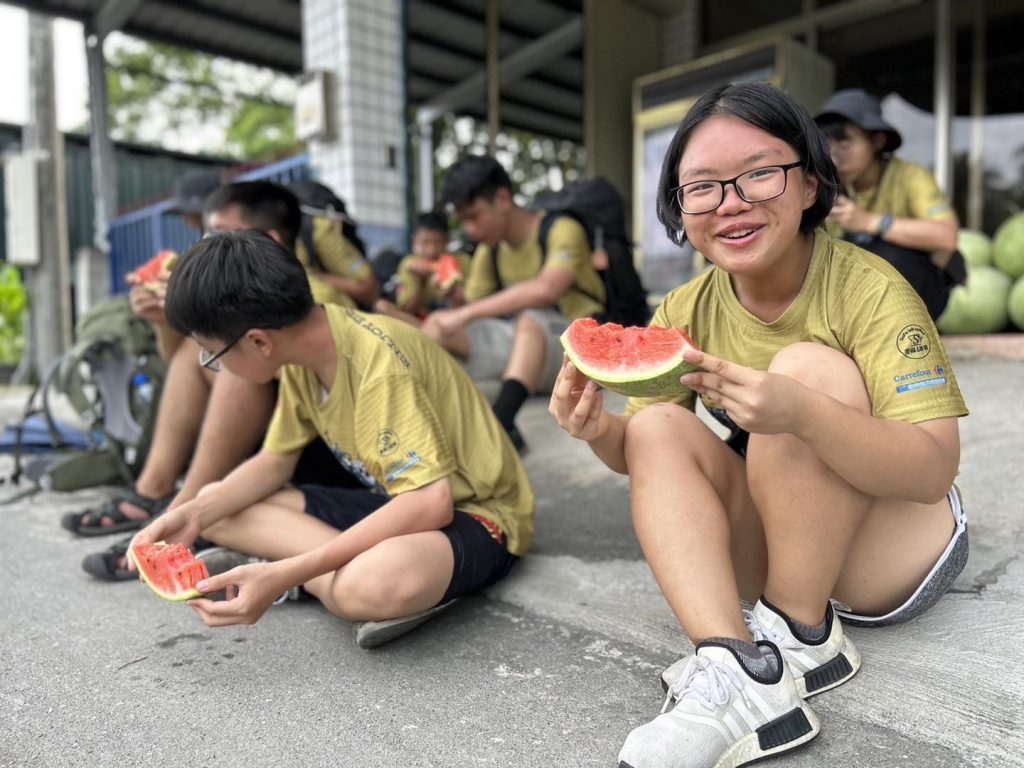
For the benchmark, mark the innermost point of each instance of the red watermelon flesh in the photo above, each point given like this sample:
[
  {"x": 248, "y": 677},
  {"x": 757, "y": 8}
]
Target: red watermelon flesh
[
  {"x": 170, "y": 570},
  {"x": 635, "y": 361},
  {"x": 156, "y": 268},
  {"x": 447, "y": 271}
]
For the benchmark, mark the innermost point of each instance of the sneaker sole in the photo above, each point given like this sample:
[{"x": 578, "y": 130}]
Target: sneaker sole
[
  {"x": 784, "y": 734},
  {"x": 370, "y": 634}
]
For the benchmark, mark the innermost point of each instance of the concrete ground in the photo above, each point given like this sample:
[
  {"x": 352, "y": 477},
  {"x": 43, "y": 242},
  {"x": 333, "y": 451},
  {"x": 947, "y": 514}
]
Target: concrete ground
[{"x": 550, "y": 668}]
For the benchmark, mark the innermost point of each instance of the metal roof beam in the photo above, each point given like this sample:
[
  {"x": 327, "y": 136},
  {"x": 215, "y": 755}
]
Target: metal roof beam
[
  {"x": 111, "y": 15},
  {"x": 527, "y": 59}
]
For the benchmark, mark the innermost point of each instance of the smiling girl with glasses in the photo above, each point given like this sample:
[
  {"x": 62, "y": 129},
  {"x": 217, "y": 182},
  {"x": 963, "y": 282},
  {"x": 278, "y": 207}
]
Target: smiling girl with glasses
[{"x": 837, "y": 481}]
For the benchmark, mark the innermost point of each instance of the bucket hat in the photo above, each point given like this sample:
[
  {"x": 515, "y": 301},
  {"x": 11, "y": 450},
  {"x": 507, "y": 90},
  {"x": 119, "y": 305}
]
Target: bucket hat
[{"x": 862, "y": 109}]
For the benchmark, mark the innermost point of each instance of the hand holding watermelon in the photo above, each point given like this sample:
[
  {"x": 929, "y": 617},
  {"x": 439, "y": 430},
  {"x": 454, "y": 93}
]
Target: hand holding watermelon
[
  {"x": 176, "y": 526},
  {"x": 577, "y": 404},
  {"x": 251, "y": 590},
  {"x": 155, "y": 272}
]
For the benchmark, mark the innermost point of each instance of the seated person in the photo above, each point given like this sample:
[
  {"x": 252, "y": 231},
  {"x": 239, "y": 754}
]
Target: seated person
[
  {"x": 891, "y": 207},
  {"x": 418, "y": 291},
  {"x": 338, "y": 271},
  {"x": 216, "y": 421},
  {"x": 521, "y": 293},
  {"x": 447, "y": 506}
]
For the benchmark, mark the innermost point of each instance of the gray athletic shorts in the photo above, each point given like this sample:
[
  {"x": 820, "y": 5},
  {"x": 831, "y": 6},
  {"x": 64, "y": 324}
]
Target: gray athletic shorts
[
  {"x": 936, "y": 583},
  {"x": 490, "y": 345}
]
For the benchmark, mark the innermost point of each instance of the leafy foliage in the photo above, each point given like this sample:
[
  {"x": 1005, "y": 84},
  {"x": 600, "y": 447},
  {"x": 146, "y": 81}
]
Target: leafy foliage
[
  {"x": 191, "y": 101},
  {"x": 13, "y": 306}
]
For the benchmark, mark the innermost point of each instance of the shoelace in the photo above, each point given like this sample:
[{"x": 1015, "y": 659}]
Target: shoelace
[{"x": 707, "y": 681}]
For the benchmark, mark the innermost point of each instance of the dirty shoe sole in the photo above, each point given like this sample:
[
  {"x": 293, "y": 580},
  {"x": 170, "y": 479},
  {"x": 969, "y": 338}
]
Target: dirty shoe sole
[{"x": 370, "y": 634}]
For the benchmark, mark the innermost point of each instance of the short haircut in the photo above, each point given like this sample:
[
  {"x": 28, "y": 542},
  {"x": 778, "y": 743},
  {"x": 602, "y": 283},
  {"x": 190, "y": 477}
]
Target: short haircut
[
  {"x": 435, "y": 221},
  {"x": 231, "y": 282},
  {"x": 263, "y": 205},
  {"x": 773, "y": 111},
  {"x": 472, "y": 178}
]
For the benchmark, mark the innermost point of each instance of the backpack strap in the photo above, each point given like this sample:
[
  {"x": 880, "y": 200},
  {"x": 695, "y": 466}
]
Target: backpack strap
[
  {"x": 306, "y": 235},
  {"x": 494, "y": 266}
]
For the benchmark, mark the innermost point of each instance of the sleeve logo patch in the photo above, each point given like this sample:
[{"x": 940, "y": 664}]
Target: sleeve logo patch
[
  {"x": 913, "y": 342},
  {"x": 387, "y": 442}
]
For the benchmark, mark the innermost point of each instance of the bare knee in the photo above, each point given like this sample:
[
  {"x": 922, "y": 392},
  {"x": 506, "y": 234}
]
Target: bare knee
[
  {"x": 659, "y": 426},
  {"x": 825, "y": 370},
  {"x": 361, "y": 593}
]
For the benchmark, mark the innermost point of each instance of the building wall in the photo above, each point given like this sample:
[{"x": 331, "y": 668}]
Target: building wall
[
  {"x": 621, "y": 42},
  {"x": 360, "y": 42}
]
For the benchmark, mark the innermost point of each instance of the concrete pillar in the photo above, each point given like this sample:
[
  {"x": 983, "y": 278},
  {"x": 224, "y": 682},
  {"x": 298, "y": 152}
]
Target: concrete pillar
[
  {"x": 49, "y": 291},
  {"x": 360, "y": 42},
  {"x": 94, "y": 261}
]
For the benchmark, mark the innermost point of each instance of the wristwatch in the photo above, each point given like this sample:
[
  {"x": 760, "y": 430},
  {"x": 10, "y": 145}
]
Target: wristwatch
[{"x": 884, "y": 225}]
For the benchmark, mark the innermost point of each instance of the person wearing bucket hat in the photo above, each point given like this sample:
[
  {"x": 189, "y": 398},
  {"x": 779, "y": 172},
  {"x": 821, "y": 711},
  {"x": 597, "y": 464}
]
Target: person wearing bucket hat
[
  {"x": 889, "y": 206},
  {"x": 189, "y": 195}
]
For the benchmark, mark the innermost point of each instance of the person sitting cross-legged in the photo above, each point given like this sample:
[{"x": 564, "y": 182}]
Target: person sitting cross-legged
[{"x": 447, "y": 507}]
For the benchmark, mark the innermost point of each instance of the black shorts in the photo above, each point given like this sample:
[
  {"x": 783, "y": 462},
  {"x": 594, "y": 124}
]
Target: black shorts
[{"x": 479, "y": 559}]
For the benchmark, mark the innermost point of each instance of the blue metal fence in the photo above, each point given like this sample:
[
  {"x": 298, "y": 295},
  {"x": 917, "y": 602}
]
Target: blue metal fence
[{"x": 138, "y": 236}]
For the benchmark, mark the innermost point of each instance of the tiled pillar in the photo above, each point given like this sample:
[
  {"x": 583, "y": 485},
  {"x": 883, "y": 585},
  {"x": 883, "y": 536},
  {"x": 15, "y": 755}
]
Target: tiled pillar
[{"x": 360, "y": 41}]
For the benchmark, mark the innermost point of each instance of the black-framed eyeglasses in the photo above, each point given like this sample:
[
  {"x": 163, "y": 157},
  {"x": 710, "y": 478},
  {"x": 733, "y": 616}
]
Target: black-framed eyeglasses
[
  {"x": 211, "y": 362},
  {"x": 756, "y": 186}
]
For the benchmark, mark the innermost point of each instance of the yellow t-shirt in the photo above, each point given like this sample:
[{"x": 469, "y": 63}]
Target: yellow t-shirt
[
  {"x": 337, "y": 256},
  {"x": 407, "y": 280},
  {"x": 851, "y": 301},
  {"x": 568, "y": 247},
  {"x": 905, "y": 191},
  {"x": 402, "y": 414}
]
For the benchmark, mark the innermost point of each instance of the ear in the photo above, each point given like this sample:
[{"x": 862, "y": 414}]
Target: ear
[
  {"x": 275, "y": 236},
  {"x": 503, "y": 198},
  {"x": 262, "y": 341},
  {"x": 810, "y": 190},
  {"x": 878, "y": 140}
]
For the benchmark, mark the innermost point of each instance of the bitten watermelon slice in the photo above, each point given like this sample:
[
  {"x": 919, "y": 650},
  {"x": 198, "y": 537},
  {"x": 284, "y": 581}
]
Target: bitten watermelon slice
[
  {"x": 447, "y": 271},
  {"x": 170, "y": 570},
  {"x": 156, "y": 268},
  {"x": 638, "y": 362}
]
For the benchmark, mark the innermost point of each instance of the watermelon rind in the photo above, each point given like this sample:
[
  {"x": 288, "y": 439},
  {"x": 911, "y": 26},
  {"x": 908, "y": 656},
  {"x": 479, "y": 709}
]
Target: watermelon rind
[
  {"x": 660, "y": 380},
  {"x": 171, "y": 597}
]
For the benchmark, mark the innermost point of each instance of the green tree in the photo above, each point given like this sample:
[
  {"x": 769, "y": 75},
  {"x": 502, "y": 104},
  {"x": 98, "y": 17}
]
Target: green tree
[{"x": 191, "y": 101}]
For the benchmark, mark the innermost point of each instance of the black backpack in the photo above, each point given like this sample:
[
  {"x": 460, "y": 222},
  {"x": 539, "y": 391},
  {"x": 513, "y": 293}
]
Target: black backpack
[
  {"x": 597, "y": 206},
  {"x": 316, "y": 199}
]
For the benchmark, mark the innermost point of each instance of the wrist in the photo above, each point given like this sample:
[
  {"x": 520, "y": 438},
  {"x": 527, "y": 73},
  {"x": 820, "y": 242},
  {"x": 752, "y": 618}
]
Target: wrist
[{"x": 882, "y": 224}]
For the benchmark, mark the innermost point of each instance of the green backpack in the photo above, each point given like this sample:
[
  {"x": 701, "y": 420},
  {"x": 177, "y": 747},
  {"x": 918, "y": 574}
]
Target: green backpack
[{"x": 112, "y": 377}]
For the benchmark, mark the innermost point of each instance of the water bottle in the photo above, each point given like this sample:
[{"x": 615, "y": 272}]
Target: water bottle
[{"x": 142, "y": 395}]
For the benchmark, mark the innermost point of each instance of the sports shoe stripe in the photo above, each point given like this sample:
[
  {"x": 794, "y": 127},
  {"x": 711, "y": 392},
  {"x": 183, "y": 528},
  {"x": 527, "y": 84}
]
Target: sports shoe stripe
[
  {"x": 714, "y": 722},
  {"x": 767, "y": 711},
  {"x": 730, "y": 718}
]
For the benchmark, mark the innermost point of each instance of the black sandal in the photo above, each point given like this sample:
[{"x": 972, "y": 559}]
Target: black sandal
[
  {"x": 103, "y": 565},
  {"x": 90, "y": 522}
]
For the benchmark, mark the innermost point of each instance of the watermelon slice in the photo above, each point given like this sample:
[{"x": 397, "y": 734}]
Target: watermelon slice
[
  {"x": 157, "y": 268},
  {"x": 638, "y": 362},
  {"x": 447, "y": 271},
  {"x": 170, "y": 570}
]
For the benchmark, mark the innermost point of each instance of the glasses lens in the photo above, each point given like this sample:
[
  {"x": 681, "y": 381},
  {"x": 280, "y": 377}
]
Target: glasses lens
[
  {"x": 762, "y": 184},
  {"x": 700, "y": 196}
]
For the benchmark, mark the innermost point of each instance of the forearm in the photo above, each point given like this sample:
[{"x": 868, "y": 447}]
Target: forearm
[
  {"x": 167, "y": 340},
  {"x": 364, "y": 291},
  {"x": 610, "y": 447},
  {"x": 251, "y": 482},
  {"x": 426, "y": 509},
  {"x": 920, "y": 234},
  {"x": 525, "y": 295},
  {"x": 880, "y": 457},
  {"x": 414, "y": 301}
]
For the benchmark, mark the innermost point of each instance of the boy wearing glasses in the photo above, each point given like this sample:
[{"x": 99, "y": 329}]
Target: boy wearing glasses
[{"x": 447, "y": 506}]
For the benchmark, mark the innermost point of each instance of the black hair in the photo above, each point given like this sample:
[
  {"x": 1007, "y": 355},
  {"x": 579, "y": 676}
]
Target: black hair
[
  {"x": 263, "y": 205},
  {"x": 474, "y": 177},
  {"x": 772, "y": 110},
  {"x": 231, "y": 282},
  {"x": 435, "y": 221}
]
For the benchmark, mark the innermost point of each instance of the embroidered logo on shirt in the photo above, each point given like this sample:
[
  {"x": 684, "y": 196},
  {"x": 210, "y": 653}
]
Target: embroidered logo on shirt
[
  {"x": 913, "y": 342},
  {"x": 387, "y": 442},
  {"x": 920, "y": 379},
  {"x": 403, "y": 465}
]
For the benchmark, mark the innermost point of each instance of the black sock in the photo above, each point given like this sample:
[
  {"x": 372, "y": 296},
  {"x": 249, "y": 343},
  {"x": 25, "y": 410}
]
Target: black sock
[
  {"x": 807, "y": 633},
  {"x": 510, "y": 399},
  {"x": 759, "y": 660}
]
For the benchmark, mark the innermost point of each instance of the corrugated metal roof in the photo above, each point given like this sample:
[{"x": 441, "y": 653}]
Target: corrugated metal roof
[{"x": 446, "y": 43}]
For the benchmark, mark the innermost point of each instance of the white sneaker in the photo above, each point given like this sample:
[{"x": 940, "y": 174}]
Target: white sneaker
[
  {"x": 723, "y": 717},
  {"x": 816, "y": 667},
  {"x": 370, "y": 634}
]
